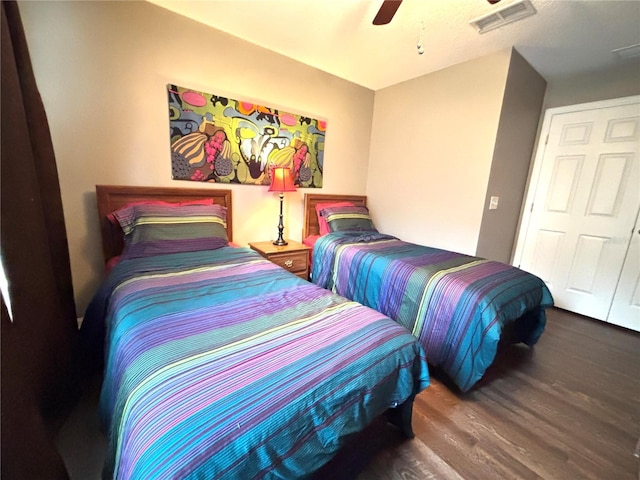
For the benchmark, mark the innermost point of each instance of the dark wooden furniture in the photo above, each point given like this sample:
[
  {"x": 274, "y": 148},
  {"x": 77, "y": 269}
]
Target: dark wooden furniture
[
  {"x": 112, "y": 197},
  {"x": 293, "y": 257},
  {"x": 310, "y": 226}
]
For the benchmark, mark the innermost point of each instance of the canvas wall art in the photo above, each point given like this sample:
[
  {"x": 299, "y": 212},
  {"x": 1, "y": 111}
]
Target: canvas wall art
[{"x": 219, "y": 139}]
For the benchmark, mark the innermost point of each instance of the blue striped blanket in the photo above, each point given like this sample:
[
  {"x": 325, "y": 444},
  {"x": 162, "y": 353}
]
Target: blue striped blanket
[
  {"x": 456, "y": 305},
  {"x": 220, "y": 364}
]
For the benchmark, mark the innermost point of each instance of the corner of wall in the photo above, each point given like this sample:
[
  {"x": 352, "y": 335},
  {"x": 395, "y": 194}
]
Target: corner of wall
[{"x": 515, "y": 140}]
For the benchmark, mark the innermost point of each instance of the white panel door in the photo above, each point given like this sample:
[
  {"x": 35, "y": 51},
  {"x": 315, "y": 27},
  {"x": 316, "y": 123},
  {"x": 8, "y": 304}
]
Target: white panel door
[
  {"x": 625, "y": 309},
  {"x": 585, "y": 200}
]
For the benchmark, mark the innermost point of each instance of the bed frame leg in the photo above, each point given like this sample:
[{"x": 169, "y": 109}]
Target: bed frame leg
[{"x": 400, "y": 416}]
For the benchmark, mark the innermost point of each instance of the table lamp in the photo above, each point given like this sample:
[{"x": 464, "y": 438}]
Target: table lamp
[{"x": 281, "y": 181}]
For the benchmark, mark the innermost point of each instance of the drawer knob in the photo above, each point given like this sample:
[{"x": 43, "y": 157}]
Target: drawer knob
[{"x": 288, "y": 263}]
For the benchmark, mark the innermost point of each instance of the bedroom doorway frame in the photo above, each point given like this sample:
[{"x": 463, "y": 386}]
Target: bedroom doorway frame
[{"x": 537, "y": 196}]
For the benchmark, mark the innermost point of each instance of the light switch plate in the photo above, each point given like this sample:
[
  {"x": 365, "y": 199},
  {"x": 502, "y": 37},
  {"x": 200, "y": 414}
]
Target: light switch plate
[{"x": 493, "y": 204}]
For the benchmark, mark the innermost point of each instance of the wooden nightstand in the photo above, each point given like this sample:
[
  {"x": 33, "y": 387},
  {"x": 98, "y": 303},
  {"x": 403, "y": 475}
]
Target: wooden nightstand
[{"x": 294, "y": 256}]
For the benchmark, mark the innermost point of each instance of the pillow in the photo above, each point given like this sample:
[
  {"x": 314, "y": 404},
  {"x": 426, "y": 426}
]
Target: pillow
[
  {"x": 322, "y": 223},
  {"x": 348, "y": 218},
  {"x": 205, "y": 201},
  {"x": 311, "y": 240},
  {"x": 156, "y": 228},
  {"x": 112, "y": 262}
]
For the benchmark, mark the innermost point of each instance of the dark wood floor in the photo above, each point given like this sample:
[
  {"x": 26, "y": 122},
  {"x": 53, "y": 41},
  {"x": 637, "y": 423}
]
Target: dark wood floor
[{"x": 569, "y": 408}]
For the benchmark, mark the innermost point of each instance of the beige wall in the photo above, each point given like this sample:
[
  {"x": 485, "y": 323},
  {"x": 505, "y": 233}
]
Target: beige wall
[
  {"x": 102, "y": 70},
  {"x": 431, "y": 152},
  {"x": 425, "y": 161},
  {"x": 617, "y": 82},
  {"x": 521, "y": 107}
]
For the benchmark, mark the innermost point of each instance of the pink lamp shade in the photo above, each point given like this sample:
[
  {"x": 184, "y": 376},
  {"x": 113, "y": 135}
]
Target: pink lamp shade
[{"x": 281, "y": 180}]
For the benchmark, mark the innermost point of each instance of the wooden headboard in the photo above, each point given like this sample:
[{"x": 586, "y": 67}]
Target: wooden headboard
[
  {"x": 310, "y": 226},
  {"x": 112, "y": 197}
]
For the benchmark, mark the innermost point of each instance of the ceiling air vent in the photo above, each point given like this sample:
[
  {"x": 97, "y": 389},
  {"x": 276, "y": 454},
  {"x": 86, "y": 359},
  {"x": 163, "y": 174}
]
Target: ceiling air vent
[{"x": 507, "y": 14}]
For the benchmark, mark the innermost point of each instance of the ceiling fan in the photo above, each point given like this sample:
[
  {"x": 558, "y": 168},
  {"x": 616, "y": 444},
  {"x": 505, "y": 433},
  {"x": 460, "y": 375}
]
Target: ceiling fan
[{"x": 389, "y": 8}]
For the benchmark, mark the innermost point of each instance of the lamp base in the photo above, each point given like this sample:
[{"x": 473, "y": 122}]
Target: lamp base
[{"x": 280, "y": 241}]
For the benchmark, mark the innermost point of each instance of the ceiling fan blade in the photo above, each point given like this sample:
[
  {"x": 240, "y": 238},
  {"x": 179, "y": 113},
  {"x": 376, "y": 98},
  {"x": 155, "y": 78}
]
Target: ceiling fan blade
[{"x": 387, "y": 11}]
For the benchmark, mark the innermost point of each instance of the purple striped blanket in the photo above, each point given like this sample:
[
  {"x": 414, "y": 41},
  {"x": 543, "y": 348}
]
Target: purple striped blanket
[
  {"x": 220, "y": 364},
  {"x": 456, "y": 305}
]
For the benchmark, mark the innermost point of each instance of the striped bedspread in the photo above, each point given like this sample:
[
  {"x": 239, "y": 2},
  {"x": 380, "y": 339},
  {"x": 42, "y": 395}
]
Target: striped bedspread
[
  {"x": 456, "y": 305},
  {"x": 221, "y": 364}
]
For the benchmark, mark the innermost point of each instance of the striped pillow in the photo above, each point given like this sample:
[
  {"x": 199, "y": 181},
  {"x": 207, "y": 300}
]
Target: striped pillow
[
  {"x": 322, "y": 222},
  {"x": 348, "y": 218},
  {"x": 152, "y": 229},
  {"x": 204, "y": 201}
]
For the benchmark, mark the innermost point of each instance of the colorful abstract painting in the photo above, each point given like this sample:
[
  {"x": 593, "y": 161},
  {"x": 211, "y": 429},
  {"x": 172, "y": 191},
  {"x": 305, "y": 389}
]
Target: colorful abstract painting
[{"x": 218, "y": 139}]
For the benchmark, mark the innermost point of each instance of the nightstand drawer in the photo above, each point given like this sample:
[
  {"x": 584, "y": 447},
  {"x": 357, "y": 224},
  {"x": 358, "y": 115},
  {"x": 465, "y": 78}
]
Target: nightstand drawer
[
  {"x": 294, "y": 262},
  {"x": 293, "y": 257}
]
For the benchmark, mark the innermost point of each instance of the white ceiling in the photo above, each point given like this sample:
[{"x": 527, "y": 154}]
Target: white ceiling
[{"x": 565, "y": 36}]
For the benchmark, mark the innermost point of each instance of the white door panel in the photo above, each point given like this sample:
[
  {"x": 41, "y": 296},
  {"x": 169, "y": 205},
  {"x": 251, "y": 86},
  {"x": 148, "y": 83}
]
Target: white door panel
[
  {"x": 625, "y": 309},
  {"x": 586, "y": 197}
]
